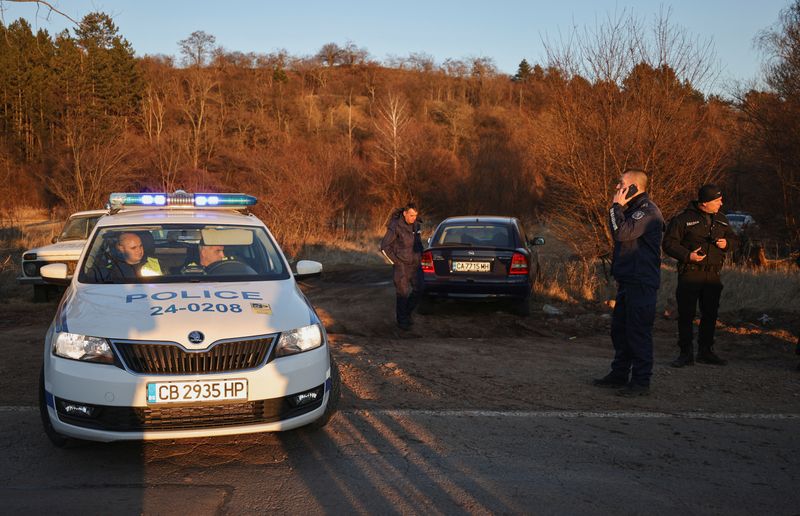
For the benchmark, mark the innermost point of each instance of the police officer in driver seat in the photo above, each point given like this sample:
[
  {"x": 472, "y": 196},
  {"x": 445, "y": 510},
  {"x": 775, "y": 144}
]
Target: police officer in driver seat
[{"x": 207, "y": 256}]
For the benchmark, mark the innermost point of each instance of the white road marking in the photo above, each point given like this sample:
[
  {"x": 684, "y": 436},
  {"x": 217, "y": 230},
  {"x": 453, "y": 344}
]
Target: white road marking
[
  {"x": 528, "y": 414},
  {"x": 568, "y": 414}
]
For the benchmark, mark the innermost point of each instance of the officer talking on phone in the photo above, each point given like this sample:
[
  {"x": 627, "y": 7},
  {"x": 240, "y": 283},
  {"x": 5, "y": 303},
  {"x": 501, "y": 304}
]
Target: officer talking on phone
[
  {"x": 637, "y": 227},
  {"x": 699, "y": 238}
]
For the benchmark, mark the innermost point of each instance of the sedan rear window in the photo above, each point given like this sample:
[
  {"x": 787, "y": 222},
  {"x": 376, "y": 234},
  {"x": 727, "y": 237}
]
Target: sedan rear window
[{"x": 487, "y": 235}]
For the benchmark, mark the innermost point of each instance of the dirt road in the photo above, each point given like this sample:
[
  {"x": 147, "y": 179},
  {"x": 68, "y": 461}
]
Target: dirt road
[{"x": 475, "y": 410}]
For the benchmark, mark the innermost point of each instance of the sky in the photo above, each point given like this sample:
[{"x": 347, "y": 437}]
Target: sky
[{"x": 505, "y": 30}]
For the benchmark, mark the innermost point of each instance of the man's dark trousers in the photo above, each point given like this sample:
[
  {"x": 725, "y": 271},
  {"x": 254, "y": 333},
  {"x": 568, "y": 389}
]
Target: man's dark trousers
[
  {"x": 632, "y": 332},
  {"x": 406, "y": 282},
  {"x": 703, "y": 287}
]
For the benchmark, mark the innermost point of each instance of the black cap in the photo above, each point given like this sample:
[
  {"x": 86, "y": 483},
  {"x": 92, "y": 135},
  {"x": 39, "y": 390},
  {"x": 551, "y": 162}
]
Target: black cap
[{"x": 709, "y": 193}]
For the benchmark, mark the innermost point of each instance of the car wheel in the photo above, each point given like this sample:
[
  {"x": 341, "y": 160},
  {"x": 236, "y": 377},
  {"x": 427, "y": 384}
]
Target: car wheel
[
  {"x": 333, "y": 399},
  {"x": 522, "y": 307},
  {"x": 58, "y": 440},
  {"x": 425, "y": 306}
]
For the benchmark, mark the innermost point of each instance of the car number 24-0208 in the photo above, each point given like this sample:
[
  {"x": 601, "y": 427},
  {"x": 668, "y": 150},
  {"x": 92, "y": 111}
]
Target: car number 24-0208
[{"x": 196, "y": 307}]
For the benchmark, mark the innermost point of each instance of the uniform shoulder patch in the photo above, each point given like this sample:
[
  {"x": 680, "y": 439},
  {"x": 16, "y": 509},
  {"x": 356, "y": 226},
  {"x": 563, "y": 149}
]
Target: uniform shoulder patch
[{"x": 637, "y": 215}]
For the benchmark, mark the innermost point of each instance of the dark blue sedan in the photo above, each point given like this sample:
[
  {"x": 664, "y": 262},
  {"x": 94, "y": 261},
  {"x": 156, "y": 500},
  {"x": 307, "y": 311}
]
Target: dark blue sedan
[{"x": 480, "y": 257}]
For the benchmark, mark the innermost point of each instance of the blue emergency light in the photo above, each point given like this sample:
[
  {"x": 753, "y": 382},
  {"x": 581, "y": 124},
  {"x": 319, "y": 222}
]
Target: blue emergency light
[{"x": 180, "y": 198}]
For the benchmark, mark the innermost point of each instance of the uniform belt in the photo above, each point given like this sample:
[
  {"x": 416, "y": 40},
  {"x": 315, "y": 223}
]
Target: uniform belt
[{"x": 694, "y": 267}]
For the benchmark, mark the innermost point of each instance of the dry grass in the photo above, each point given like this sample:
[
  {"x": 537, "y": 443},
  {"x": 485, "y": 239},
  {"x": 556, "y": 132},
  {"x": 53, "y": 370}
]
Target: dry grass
[{"x": 773, "y": 289}]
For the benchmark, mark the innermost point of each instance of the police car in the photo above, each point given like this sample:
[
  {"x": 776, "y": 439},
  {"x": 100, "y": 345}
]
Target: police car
[{"x": 183, "y": 319}]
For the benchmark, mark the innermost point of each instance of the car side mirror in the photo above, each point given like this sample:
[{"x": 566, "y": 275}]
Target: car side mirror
[
  {"x": 55, "y": 273},
  {"x": 537, "y": 241},
  {"x": 307, "y": 269}
]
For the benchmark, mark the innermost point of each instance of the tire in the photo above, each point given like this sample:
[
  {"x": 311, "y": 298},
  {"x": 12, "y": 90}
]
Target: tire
[
  {"x": 58, "y": 440},
  {"x": 426, "y": 305},
  {"x": 333, "y": 399},
  {"x": 522, "y": 307}
]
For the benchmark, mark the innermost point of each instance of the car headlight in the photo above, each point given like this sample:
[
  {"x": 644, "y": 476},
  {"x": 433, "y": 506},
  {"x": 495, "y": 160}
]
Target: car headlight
[
  {"x": 299, "y": 340},
  {"x": 31, "y": 269},
  {"x": 81, "y": 347}
]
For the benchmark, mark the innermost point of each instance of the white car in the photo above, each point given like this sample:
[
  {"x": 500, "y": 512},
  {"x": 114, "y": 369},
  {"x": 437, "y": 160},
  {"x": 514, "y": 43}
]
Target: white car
[
  {"x": 66, "y": 248},
  {"x": 741, "y": 221},
  {"x": 165, "y": 344}
]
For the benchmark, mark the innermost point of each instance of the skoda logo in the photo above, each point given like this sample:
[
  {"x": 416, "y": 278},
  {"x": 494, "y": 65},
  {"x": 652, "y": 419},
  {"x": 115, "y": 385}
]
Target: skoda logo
[{"x": 196, "y": 337}]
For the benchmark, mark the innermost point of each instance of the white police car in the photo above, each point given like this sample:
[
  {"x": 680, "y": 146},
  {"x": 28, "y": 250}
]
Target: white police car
[{"x": 183, "y": 319}]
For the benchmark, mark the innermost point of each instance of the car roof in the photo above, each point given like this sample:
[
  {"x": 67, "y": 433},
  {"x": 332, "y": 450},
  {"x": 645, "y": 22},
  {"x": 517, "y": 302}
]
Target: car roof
[
  {"x": 134, "y": 216},
  {"x": 487, "y": 219}
]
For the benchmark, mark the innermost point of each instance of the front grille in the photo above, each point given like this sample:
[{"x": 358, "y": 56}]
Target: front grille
[
  {"x": 133, "y": 419},
  {"x": 150, "y": 358}
]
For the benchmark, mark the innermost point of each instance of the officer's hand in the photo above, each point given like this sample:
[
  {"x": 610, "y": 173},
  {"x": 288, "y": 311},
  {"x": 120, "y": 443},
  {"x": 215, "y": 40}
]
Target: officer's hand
[
  {"x": 721, "y": 243},
  {"x": 619, "y": 196},
  {"x": 695, "y": 257}
]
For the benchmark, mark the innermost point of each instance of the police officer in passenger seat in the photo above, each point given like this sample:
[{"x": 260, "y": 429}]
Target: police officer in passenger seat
[
  {"x": 131, "y": 260},
  {"x": 699, "y": 238},
  {"x": 403, "y": 247},
  {"x": 637, "y": 227}
]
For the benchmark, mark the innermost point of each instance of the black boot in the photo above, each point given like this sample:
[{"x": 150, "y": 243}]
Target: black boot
[
  {"x": 610, "y": 381},
  {"x": 633, "y": 390},
  {"x": 684, "y": 359},
  {"x": 707, "y": 356}
]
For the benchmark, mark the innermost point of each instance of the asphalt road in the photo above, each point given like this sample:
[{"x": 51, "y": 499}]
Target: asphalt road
[{"x": 423, "y": 461}]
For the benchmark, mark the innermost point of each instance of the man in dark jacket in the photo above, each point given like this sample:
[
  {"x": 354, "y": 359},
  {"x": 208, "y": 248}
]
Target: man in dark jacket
[
  {"x": 699, "y": 238},
  {"x": 403, "y": 247},
  {"x": 637, "y": 227}
]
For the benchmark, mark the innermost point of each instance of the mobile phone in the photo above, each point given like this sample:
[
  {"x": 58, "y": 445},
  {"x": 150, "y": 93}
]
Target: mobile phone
[
  {"x": 632, "y": 190},
  {"x": 701, "y": 253}
]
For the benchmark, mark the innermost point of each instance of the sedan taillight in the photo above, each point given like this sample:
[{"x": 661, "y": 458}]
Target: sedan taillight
[
  {"x": 519, "y": 265},
  {"x": 427, "y": 262}
]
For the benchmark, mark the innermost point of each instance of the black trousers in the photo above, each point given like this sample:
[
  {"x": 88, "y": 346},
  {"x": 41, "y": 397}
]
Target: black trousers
[
  {"x": 695, "y": 288},
  {"x": 632, "y": 332},
  {"x": 406, "y": 283}
]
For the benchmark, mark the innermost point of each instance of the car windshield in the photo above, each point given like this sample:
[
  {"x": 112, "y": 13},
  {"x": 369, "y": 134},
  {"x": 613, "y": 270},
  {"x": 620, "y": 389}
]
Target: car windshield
[
  {"x": 78, "y": 228},
  {"x": 180, "y": 253},
  {"x": 475, "y": 234}
]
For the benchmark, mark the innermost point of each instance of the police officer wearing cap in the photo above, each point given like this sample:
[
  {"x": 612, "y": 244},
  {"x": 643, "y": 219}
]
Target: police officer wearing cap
[
  {"x": 699, "y": 238},
  {"x": 637, "y": 227}
]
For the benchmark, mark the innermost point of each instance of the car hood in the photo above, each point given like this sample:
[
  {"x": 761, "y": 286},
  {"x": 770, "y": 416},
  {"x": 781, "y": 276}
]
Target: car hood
[
  {"x": 169, "y": 312},
  {"x": 68, "y": 249}
]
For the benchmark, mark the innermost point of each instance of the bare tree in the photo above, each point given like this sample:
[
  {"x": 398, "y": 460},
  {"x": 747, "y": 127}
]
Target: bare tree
[
  {"x": 626, "y": 97},
  {"x": 197, "y": 49},
  {"x": 391, "y": 125}
]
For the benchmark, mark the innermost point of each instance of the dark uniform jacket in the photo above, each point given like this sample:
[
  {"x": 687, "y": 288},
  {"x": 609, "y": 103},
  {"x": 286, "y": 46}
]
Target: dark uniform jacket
[
  {"x": 402, "y": 242},
  {"x": 693, "y": 228},
  {"x": 637, "y": 230}
]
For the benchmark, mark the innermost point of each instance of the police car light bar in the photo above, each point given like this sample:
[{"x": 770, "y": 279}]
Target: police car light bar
[{"x": 181, "y": 198}]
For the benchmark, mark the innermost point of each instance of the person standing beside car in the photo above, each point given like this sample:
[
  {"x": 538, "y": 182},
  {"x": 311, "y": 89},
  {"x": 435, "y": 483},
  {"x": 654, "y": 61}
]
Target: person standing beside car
[
  {"x": 699, "y": 238},
  {"x": 402, "y": 245},
  {"x": 637, "y": 228}
]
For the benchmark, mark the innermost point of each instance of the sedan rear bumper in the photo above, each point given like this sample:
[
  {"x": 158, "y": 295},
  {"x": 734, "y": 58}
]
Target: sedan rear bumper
[{"x": 477, "y": 288}]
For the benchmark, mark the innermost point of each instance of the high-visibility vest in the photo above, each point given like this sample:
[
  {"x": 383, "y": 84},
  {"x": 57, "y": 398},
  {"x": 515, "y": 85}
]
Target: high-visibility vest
[{"x": 151, "y": 267}]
